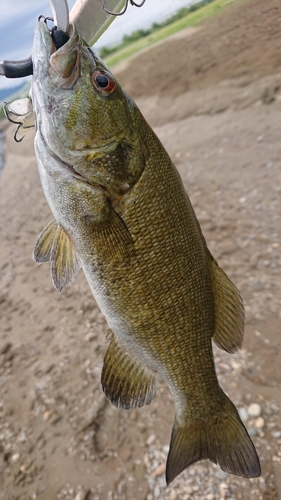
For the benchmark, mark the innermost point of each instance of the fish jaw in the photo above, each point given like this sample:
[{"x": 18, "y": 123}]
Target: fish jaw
[
  {"x": 81, "y": 125},
  {"x": 63, "y": 88},
  {"x": 43, "y": 47},
  {"x": 55, "y": 72}
]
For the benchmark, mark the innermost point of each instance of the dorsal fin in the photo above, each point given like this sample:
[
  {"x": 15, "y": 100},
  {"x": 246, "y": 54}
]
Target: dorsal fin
[{"x": 229, "y": 311}]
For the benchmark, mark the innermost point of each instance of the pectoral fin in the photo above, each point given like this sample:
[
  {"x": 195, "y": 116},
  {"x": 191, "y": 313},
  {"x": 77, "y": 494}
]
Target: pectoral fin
[
  {"x": 113, "y": 238},
  {"x": 53, "y": 245},
  {"x": 126, "y": 382},
  {"x": 65, "y": 264},
  {"x": 229, "y": 311},
  {"x": 43, "y": 246}
]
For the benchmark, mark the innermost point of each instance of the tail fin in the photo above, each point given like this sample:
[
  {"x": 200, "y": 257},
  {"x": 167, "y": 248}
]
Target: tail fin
[{"x": 223, "y": 439}]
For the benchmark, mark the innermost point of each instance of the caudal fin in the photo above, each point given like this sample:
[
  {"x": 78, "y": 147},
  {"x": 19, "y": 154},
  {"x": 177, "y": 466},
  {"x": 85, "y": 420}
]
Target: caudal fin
[{"x": 223, "y": 439}]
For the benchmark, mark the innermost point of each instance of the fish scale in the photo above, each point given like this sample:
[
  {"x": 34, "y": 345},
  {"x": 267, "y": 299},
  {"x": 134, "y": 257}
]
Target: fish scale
[{"x": 122, "y": 214}]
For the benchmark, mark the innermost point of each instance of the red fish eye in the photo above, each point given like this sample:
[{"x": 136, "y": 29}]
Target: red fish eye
[{"x": 103, "y": 82}]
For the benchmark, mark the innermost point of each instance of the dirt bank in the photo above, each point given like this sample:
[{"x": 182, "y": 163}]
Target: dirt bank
[{"x": 59, "y": 437}]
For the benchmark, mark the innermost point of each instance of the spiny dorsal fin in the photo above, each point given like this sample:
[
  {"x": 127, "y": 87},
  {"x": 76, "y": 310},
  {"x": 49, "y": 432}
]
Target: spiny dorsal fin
[
  {"x": 126, "y": 382},
  {"x": 222, "y": 438},
  {"x": 53, "y": 245},
  {"x": 43, "y": 246},
  {"x": 229, "y": 311}
]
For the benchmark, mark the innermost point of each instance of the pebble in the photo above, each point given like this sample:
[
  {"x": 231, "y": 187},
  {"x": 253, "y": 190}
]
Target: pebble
[
  {"x": 121, "y": 488},
  {"x": 89, "y": 337},
  {"x": 260, "y": 422},
  {"x": 15, "y": 457},
  {"x": 252, "y": 431},
  {"x": 173, "y": 495},
  {"x": 243, "y": 414},
  {"x": 222, "y": 475},
  {"x": 82, "y": 494},
  {"x": 151, "y": 483},
  {"x": 160, "y": 470},
  {"x": 254, "y": 410},
  {"x": 150, "y": 440},
  {"x": 157, "y": 492}
]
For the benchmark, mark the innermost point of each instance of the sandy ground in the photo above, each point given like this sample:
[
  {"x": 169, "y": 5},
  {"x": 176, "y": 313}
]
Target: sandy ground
[{"x": 214, "y": 99}]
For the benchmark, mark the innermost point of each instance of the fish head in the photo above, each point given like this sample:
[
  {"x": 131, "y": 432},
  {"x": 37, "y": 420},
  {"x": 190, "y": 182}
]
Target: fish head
[{"x": 82, "y": 113}]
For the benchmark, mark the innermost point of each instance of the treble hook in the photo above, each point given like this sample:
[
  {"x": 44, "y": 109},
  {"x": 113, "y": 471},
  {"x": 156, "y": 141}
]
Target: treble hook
[
  {"x": 132, "y": 2},
  {"x": 20, "y": 124}
]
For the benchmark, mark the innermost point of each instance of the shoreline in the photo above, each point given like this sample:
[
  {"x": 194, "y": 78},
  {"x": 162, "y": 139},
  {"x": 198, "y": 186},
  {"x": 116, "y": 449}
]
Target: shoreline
[{"x": 59, "y": 437}]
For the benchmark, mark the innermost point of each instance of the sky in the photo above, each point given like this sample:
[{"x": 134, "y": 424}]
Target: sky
[{"x": 18, "y": 18}]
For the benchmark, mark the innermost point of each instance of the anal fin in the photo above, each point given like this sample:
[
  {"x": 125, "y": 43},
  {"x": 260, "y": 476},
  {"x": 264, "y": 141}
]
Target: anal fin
[
  {"x": 54, "y": 245},
  {"x": 126, "y": 382},
  {"x": 229, "y": 311}
]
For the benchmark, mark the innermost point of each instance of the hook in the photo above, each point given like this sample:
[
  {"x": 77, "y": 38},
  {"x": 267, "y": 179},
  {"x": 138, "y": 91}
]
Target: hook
[
  {"x": 20, "y": 124},
  {"x": 132, "y": 2}
]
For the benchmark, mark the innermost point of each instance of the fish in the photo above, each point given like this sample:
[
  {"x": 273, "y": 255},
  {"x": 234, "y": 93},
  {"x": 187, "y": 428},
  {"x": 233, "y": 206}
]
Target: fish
[{"x": 121, "y": 213}]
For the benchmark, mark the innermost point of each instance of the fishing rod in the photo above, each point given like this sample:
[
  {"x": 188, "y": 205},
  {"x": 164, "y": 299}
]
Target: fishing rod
[
  {"x": 24, "y": 67},
  {"x": 91, "y": 17}
]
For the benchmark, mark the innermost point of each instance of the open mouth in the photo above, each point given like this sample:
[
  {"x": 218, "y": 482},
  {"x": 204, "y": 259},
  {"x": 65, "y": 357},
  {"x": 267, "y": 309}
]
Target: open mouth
[
  {"x": 24, "y": 67},
  {"x": 65, "y": 56}
]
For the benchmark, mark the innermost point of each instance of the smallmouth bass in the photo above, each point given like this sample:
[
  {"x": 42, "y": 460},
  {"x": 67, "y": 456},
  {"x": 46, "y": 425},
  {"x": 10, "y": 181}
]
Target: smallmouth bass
[{"x": 122, "y": 214}]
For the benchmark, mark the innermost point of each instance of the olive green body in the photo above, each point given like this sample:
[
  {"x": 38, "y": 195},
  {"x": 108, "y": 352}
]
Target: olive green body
[
  {"x": 159, "y": 300},
  {"x": 122, "y": 214}
]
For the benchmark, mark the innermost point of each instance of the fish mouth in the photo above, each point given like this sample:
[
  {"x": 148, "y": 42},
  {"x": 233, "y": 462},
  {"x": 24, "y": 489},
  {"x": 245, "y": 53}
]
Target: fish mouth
[{"x": 61, "y": 64}]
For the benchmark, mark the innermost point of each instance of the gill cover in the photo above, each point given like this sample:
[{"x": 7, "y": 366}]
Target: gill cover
[{"x": 83, "y": 115}]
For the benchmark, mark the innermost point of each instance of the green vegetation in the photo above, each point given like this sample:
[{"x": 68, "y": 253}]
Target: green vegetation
[
  {"x": 136, "y": 35},
  {"x": 141, "y": 39}
]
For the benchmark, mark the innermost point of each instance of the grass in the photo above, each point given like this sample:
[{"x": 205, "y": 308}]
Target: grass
[{"x": 191, "y": 19}]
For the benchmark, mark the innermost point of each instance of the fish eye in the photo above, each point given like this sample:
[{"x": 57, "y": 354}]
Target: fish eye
[{"x": 103, "y": 82}]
